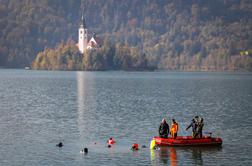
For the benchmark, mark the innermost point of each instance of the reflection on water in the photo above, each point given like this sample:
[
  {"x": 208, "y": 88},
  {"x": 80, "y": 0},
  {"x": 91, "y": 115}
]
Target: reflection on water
[
  {"x": 164, "y": 155},
  {"x": 171, "y": 155},
  {"x": 80, "y": 99},
  {"x": 197, "y": 156},
  {"x": 83, "y": 91}
]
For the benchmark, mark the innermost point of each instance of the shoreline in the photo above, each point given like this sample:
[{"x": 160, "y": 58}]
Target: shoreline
[{"x": 156, "y": 70}]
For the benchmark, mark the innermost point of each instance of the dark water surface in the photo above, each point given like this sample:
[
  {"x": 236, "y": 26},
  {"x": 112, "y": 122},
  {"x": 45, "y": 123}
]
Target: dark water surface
[{"x": 40, "y": 108}]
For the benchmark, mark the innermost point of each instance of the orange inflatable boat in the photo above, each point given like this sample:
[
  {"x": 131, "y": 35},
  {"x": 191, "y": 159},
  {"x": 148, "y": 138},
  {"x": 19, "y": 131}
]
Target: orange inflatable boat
[{"x": 188, "y": 141}]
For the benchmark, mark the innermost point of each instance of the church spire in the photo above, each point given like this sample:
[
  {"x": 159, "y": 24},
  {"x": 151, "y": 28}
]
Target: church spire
[
  {"x": 83, "y": 22},
  {"x": 83, "y": 35}
]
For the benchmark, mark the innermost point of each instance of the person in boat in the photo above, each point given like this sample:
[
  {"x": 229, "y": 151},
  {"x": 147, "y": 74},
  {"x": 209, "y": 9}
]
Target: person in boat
[
  {"x": 193, "y": 125},
  {"x": 163, "y": 129},
  {"x": 174, "y": 129},
  {"x": 200, "y": 126}
]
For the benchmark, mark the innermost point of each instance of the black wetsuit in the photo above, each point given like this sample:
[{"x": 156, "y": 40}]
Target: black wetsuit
[
  {"x": 163, "y": 130},
  {"x": 200, "y": 128},
  {"x": 194, "y": 128}
]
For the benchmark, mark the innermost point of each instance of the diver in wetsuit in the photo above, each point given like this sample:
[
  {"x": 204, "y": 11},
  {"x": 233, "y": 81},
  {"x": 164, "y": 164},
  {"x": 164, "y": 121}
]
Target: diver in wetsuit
[
  {"x": 200, "y": 128},
  {"x": 163, "y": 129},
  {"x": 194, "y": 128}
]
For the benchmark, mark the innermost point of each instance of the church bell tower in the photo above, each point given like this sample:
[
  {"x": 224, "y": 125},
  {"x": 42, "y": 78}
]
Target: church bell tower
[{"x": 83, "y": 37}]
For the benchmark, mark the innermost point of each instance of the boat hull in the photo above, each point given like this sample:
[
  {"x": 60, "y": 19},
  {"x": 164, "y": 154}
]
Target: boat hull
[{"x": 188, "y": 141}]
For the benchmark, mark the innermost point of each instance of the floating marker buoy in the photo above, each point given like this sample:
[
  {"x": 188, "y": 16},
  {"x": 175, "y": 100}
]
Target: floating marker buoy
[
  {"x": 153, "y": 144},
  {"x": 134, "y": 146},
  {"x": 60, "y": 144}
]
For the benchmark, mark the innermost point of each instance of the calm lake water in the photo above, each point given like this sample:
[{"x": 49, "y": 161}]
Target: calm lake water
[{"x": 83, "y": 109}]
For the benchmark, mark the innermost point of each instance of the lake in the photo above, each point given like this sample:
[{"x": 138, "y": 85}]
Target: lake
[{"x": 83, "y": 109}]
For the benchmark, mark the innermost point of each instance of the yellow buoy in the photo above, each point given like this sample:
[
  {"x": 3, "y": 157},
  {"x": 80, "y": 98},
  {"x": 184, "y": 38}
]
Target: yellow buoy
[{"x": 152, "y": 144}]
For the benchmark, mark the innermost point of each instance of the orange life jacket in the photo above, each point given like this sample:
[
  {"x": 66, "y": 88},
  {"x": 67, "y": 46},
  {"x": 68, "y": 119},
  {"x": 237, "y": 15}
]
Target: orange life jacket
[{"x": 174, "y": 128}]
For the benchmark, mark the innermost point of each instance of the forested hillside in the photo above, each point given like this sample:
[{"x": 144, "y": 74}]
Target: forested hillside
[{"x": 172, "y": 34}]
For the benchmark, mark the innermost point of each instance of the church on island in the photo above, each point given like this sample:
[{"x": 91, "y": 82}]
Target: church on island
[{"x": 84, "y": 43}]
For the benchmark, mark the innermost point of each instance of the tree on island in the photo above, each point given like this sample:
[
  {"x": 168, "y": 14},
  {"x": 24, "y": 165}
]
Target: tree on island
[{"x": 66, "y": 56}]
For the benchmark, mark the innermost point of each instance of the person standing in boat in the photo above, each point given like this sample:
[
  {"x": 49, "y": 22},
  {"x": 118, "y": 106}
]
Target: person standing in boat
[
  {"x": 200, "y": 128},
  {"x": 163, "y": 129},
  {"x": 194, "y": 128},
  {"x": 174, "y": 129}
]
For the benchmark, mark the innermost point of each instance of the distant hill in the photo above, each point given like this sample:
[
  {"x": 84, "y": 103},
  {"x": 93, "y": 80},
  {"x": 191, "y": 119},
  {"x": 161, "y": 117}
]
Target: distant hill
[{"x": 173, "y": 34}]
